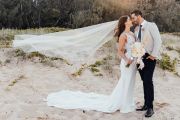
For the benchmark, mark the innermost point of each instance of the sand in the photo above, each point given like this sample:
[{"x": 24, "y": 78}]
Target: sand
[{"x": 25, "y": 83}]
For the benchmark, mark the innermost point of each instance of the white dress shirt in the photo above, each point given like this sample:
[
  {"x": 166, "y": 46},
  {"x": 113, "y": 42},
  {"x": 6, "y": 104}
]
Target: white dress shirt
[{"x": 143, "y": 23}]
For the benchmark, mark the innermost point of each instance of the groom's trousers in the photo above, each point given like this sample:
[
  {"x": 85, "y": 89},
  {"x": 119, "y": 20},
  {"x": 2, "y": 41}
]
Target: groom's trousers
[{"x": 147, "y": 77}]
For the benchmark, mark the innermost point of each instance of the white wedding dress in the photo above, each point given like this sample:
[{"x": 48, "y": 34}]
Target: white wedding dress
[
  {"x": 120, "y": 99},
  {"x": 77, "y": 46}
]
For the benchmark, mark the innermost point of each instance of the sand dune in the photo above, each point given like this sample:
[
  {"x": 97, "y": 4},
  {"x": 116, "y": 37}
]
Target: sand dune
[{"x": 25, "y": 83}]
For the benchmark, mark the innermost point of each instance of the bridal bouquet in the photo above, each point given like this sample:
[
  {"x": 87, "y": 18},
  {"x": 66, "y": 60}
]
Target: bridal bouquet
[{"x": 137, "y": 51}]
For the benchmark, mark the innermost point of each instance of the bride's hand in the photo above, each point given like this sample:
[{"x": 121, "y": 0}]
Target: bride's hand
[{"x": 129, "y": 61}]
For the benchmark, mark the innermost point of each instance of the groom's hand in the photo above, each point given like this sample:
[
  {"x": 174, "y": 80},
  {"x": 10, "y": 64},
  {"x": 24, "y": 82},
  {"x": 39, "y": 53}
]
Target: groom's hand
[{"x": 151, "y": 57}]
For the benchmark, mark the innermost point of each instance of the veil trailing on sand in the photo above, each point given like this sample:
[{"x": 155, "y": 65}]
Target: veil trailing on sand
[
  {"x": 75, "y": 45},
  {"x": 79, "y": 46}
]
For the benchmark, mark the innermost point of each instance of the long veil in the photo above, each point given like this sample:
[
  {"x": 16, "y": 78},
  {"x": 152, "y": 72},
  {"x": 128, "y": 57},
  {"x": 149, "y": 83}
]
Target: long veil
[{"x": 76, "y": 46}]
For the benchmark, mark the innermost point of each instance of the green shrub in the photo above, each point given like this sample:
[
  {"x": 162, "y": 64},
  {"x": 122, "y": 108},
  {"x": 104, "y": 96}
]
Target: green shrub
[
  {"x": 167, "y": 64},
  {"x": 169, "y": 48},
  {"x": 94, "y": 69}
]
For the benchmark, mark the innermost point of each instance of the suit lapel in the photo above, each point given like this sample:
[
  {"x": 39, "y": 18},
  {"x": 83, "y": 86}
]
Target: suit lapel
[
  {"x": 144, "y": 31},
  {"x": 136, "y": 32}
]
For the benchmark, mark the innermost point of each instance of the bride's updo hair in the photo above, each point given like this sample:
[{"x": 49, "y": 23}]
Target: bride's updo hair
[{"x": 121, "y": 25}]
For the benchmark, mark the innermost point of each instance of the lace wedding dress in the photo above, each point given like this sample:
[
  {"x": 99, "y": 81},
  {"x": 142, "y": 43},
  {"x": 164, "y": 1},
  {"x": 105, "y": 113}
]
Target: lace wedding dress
[{"x": 121, "y": 97}]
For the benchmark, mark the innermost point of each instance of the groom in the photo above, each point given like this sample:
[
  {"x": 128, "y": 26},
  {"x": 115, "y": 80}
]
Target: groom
[{"x": 148, "y": 34}]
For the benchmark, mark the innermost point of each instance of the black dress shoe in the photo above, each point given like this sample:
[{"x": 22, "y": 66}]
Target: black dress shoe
[
  {"x": 144, "y": 108},
  {"x": 149, "y": 112}
]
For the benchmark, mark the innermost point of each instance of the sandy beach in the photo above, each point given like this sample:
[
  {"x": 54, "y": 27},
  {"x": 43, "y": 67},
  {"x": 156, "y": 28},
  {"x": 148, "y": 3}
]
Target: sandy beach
[{"x": 25, "y": 84}]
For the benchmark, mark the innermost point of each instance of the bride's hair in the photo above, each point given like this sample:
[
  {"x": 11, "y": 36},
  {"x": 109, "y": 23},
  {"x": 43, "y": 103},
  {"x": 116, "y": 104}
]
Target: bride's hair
[{"x": 121, "y": 25}]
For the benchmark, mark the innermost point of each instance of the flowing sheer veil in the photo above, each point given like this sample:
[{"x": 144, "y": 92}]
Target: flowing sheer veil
[
  {"x": 78, "y": 46},
  {"x": 75, "y": 45}
]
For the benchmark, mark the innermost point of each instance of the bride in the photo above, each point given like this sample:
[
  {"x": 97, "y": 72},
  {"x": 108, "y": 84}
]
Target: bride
[{"x": 121, "y": 97}]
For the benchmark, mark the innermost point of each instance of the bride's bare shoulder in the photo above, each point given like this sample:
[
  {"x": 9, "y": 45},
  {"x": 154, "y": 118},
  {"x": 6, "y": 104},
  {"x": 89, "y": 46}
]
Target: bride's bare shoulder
[{"x": 123, "y": 35}]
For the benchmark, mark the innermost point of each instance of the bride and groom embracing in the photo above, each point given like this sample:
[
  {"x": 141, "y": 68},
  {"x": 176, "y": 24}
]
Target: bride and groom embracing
[{"x": 121, "y": 97}]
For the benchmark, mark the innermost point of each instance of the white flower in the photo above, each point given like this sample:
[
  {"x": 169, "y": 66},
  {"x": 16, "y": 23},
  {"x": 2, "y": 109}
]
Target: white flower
[{"x": 137, "y": 51}]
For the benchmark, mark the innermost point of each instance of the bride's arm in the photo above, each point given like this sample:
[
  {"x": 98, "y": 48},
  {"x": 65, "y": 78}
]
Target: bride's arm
[{"x": 121, "y": 48}]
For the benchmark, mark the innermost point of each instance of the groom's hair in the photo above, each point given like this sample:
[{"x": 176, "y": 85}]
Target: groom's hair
[{"x": 137, "y": 12}]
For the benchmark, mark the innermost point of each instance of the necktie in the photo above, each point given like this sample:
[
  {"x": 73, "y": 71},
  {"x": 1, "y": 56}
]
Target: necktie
[{"x": 139, "y": 34}]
